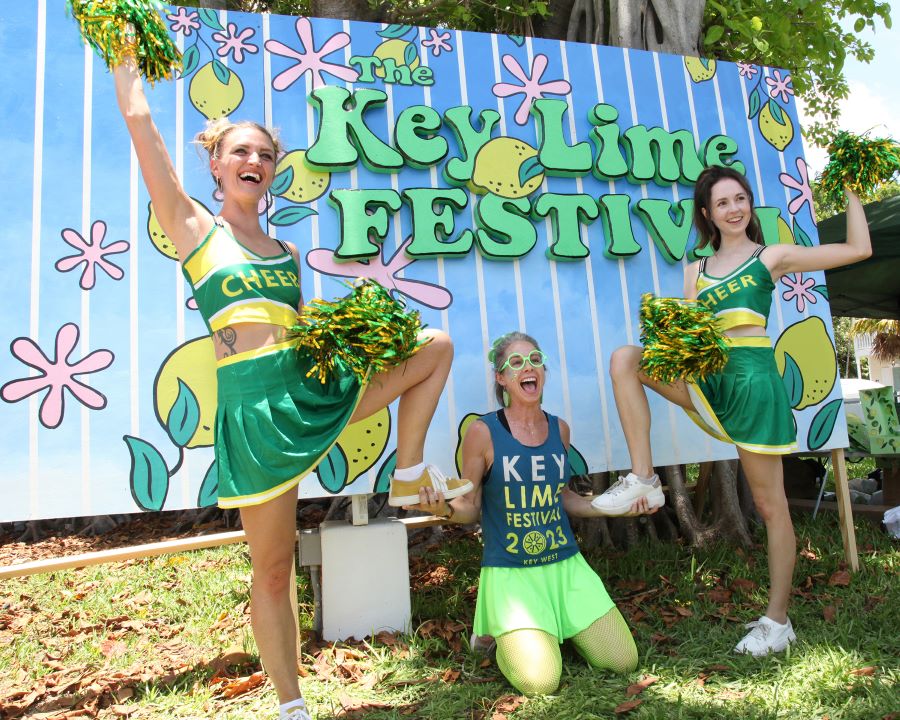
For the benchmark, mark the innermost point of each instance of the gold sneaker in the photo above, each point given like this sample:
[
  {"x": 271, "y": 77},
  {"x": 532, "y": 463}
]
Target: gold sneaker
[{"x": 406, "y": 492}]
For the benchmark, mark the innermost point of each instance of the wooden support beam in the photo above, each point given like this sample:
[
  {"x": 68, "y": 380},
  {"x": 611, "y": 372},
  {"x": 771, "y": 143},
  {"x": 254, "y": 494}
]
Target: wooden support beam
[
  {"x": 165, "y": 547},
  {"x": 845, "y": 511}
]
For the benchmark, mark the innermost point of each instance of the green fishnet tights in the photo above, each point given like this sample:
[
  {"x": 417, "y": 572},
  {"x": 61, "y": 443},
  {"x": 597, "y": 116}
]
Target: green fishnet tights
[{"x": 531, "y": 662}]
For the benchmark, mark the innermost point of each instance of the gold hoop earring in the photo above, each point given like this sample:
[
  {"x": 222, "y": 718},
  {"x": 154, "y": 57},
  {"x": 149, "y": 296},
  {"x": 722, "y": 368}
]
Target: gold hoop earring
[{"x": 219, "y": 184}]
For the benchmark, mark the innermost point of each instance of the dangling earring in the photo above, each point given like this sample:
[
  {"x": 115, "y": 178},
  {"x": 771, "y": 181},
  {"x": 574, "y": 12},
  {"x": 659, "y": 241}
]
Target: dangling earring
[
  {"x": 505, "y": 399},
  {"x": 219, "y": 184}
]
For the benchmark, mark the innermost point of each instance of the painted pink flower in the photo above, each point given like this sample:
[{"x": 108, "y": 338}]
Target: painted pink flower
[
  {"x": 310, "y": 60},
  {"x": 384, "y": 273},
  {"x": 802, "y": 184},
  {"x": 438, "y": 42},
  {"x": 779, "y": 87},
  {"x": 56, "y": 375},
  {"x": 235, "y": 42},
  {"x": 799, "y": 290},
  {"x": 531, "y": 86},
  {"x": 93, "y": 254},
  {"x": 184, "y": 22},
  {"x": 747, "y": 70}
]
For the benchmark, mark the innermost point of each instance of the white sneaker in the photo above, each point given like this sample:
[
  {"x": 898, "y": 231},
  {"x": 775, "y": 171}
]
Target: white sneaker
[
  {"x": 766, "y": 636},
  {"x": 624, "y": 493},
  {"x": 298, "y": 712}
]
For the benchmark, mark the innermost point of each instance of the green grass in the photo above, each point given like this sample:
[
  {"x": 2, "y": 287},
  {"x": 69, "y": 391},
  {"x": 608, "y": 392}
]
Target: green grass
[{"x": 169, "y": 617}]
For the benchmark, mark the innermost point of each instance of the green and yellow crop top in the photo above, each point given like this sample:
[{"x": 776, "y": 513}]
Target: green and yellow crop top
[
  {"x": 743, "y": 297},
  {"x": 232, "y": 284}
]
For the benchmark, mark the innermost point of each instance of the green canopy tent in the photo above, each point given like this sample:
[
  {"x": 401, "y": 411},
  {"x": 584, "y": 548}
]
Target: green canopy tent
[{"x": 870, "y": 288}]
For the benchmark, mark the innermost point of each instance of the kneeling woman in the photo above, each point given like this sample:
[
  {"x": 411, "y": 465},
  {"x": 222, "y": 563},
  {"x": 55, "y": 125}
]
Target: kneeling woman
[{"x": 536, "y": 589}]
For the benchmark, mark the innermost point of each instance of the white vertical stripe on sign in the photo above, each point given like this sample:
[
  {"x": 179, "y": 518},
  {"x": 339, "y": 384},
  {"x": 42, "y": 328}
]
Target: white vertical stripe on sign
[
  {"x": 134, "y": 394},
  {"x": 85, "y": 295},
  {"x": 36, "y": 207},
  {"x": 479, "y": 270}
]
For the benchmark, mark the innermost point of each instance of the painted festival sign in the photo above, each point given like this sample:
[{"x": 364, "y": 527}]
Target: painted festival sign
[{"x": 493, "y": 182}]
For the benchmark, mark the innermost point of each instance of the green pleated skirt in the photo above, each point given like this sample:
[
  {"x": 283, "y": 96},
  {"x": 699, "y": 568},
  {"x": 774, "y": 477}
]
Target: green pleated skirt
[
  {"x": 274, "y": 424},
  {"x": 562, "y": 599},
  {"x": 746, "y": 403}
]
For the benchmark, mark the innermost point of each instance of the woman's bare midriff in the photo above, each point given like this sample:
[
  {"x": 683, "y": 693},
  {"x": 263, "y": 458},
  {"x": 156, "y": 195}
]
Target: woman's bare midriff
[{"x": 239, "y": 338}]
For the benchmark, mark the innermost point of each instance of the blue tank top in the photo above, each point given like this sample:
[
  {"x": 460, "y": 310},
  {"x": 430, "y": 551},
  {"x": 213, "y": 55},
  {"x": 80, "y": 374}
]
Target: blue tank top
[{"x": 522, "y": 517}]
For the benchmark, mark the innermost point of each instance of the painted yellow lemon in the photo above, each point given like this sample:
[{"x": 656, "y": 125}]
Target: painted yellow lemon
[
  {"x": 778, "y": 131},
  {"x": 785, "y": 234},
  {"x": 463, "y": 427},
  {"x": 215, "y": 90},
  {"x": 194, "y": 364},
  {"x": 497, "y": 167},
  {"x": 400, "y": 51},
  {"x": 813, "y": 356},
  {"x": 700, "y": 69},
  {"x": 306, "y": 185},
  {"x": 364, "y": 441},
  {"x": 158, "y": 237}
]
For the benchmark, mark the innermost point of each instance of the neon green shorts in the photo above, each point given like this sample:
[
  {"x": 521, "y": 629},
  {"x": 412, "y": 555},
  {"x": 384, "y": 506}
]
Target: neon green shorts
[
  {"x": 561, "y": 598},
  {"x": 746, "y": 403},
  {"x": 273, "y": 423}
]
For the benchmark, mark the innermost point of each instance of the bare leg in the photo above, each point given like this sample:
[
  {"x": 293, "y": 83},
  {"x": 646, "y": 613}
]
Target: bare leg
[
  {"x": 418, "y": 383},
  {"x": 271, "y": 532},
  {"x": 765, "y": 475},
  {"x": 631, "y": 401}
]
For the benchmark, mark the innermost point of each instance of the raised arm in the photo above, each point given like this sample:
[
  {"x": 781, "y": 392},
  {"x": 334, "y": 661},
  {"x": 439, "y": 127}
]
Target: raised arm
[
  {"x": 783, "y": 259},
  {"x": 185, "y": 222}
]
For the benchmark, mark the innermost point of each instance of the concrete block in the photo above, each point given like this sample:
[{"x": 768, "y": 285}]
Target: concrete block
[{"x": 365, "y": 579}]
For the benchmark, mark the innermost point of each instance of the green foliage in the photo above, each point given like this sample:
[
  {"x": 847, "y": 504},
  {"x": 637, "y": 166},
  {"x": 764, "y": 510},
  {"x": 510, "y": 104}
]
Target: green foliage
[
  {"x": 803, "y": 36},
  {"x": 826, "y": 208}
]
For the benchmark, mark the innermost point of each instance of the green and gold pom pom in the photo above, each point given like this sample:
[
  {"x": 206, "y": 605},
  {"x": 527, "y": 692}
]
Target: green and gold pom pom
[
  {"x": 859, "y": 163},
  {"x": 103, "y": 26},
  {"x": 681, "y": 339},
  {"x": 367, "y": 332}
]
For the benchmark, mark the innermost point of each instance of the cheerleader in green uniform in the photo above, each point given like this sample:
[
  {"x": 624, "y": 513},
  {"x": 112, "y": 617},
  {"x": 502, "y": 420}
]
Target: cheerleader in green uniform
[
  {"x": 273, "y": 422},
  {"x": 746, "y": 403}
]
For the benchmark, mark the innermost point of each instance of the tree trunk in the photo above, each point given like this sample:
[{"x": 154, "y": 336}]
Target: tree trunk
[
  {"x": 666, "y": 26},
  {"x": 347, "y": 10}
]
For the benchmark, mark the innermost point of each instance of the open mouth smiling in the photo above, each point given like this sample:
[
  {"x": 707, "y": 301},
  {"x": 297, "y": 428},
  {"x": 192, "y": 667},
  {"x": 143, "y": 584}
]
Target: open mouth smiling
[{"x": 251, "y": 177}]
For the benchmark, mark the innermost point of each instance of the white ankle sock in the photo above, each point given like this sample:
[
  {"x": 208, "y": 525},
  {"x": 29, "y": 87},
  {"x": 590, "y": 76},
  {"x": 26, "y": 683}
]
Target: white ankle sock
[
  {"x": 409, "y": 473},
  {"x": 648, "y": 480},
  {"x": 291, "y": 705}
]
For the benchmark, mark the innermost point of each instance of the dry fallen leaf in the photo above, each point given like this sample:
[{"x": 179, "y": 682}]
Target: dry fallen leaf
[
  {"x": 641, "y": 685},
  {"x": 743, "y": 585},
  {"x": 841, "y": 578},
  {"x": 866, "y": 671},
  {"x": 829, "y": 612},
  {"x": 450, "y": 676},
  {"x": 242, "y": 685},
  {"x": 627, "y": 706}
]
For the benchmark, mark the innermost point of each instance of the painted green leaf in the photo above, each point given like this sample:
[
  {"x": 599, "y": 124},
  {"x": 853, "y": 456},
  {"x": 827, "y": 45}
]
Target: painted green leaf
[
  {"x": 189, "y": 60},
  {"x": 754, "y": 102},
  {"x": 517, "y": 39},
  {"x": 577, "y": 462},
  {"x": 333, "y": 470},
  {"x": 776, "y": 111},
  {"x": 290, "y": 215},
  {"x": 184, "y": 417},
  {"x": 793, "y": 380},
  {"x": 394, "y": 31},
  {"x": 149, "y": 474},
  {"x": 530, "y": 168},
  {"x": 822, "y": 290},
  {"x": 822, "y": 426},
  {"x": 282, "y": 181},
  {"x": 800, "y": 236},
  {"x": 410, "y": 54},
  {"x": 383, "y": 482},
  {"x": 210, "y": 18},
  {"x": 209, "y": 488},
  {"x": 222, "y": 72}
]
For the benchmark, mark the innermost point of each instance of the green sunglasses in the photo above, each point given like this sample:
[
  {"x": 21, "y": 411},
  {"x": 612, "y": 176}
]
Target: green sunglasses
[{"x": 516, "y": 361}]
